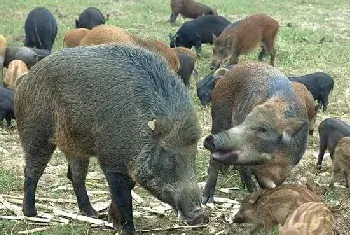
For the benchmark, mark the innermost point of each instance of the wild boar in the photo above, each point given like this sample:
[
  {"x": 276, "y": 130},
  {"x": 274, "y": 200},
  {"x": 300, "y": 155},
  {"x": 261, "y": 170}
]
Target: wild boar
[
  {"x": 40, "y": 28},
  {"x": 15, "y": 69},
  {"x": 305, "y": 97},
  {"x": 109, "y": 34},
  {"x": 253, "y": 31},
  {"x": 189, "y": 9},
  {"x": 269, "y": 207},
  {"x": 73, "y": 37},
  {"x": 341, "y": 160},
  {"x": 319, "y": 84},
  {"x": 187, "y": 60},
  {"x": 258, "y": 123},
  {"x": 89, "y": 18},
  {"x": 30, "y": 56},
  {"x": 137, "y": 119},
  {"x": 199, "y": 31},
  {"x": 331, "y": 130},
  {"x": 311, "y": 218},
  {"x": 206, "y": 86},
  {"x": 6, "y": 105}
]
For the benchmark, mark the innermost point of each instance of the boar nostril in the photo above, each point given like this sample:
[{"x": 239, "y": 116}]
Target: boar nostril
[{"x": 209, "y": 143}]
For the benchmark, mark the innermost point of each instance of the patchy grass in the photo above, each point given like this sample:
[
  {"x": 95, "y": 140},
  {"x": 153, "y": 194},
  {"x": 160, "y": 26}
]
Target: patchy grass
[{"x": 318, "y": 40}]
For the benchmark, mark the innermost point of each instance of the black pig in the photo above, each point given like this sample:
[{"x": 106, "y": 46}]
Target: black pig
[
  {"x": 199, "y": 31},
  {"x": 90, "y": 18},
  {"x": 319, "y": 84},
  {"x": 331, "y": 130},
  {"x": 40, "y": 28},
  {"x": 6, "y": 105}
]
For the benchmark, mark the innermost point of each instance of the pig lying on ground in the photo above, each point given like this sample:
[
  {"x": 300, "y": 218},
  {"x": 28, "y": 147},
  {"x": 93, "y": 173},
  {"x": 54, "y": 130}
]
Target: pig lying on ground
[
  {"x": 331, "y": 130},
  {"x": 341, "y": 160},
  {"x": 189, "y": 9},
  {"x": 305, "y": 97},
  {"x": 40, "y": 28},
  {"x": 109, "y": 34},
  {"x": 137, "y": 118},
  {"x": 15, "y": 69},
  {"x": 269, "y": 207},
  {"x": 187, "y": 61},
  {"x": 6, "y": 105},
  {"x": 258, "y": 123},
  {"x": 30, "y": 56},
  {"x": 319, "y": 84},
  {"x": 251, "y": 32},
  {"x": 206, "y": 86},
  {"x": 73, "y": 37},
  {"x": 89, "y": 18},
  {"x": 311, "y": 218},
  {"x": 199, "y": 31}
]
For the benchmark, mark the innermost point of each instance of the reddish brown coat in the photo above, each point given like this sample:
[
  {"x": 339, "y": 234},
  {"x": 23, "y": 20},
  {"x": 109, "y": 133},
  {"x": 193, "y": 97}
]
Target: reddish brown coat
[
  {"x": 189, "y": 9},
  {"x": 73, "y": 37}
]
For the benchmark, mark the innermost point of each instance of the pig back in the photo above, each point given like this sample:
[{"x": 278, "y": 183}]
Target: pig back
[{"x": 104, "y": 97}]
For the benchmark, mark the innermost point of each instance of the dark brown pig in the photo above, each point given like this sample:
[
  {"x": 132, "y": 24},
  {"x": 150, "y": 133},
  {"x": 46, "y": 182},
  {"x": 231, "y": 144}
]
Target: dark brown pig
[
  {"x": 306, "y": 98},
  {"x": 258, "y": 123},
  {"x": 331, "y": 130},
  {"x": 311, "y": 218},
  {"x": 137, "y": 118},
  {"x": 341, "y": 160},
  {"x": 243, "y": 37},
  {"x": 269, "y": 207},
  {"x": 189, "y": 9}
]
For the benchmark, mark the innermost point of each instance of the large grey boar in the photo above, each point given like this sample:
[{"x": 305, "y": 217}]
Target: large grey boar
[
  {"x": 123, "y": 105},
  {"x": 259, "y": 123}
]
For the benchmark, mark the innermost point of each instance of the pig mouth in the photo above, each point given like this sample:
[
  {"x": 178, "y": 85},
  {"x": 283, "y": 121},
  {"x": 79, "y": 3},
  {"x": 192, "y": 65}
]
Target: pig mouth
[{"x": 226, "y": 156}]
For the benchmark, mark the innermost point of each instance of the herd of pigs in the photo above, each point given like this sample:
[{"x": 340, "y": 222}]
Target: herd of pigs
[{"x": 129, "y": 105}]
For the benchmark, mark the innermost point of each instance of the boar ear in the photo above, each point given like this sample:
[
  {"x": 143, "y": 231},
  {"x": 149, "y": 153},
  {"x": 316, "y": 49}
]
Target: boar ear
[
  {"x": 293, "y": 125},
  {"x": 214, "y": 38},
  {"x": 220, "y": 73},
  {"x": 160, "y": 127},
  {"x": 228, "y": 42}
]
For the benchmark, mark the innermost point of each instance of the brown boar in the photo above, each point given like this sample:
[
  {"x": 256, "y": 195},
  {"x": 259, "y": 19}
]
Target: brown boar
[
  {"x": 311, "y": 218},
  {"x": 137, "y": 118},
  {"x": 15, "y": 69},
  {"x": 109, "y": 34},
  {"x": 73, "y": 37},
  {"x": 341, "y": 160},
  {"x": 269, "y": 207},
  {"x": 306, "y": 98},
  {"x": 189, "y": 9},
  {"x": 258, "y": 123},
  {"x": 243, "y": 37},
  {"x": 187, "y": 59}
]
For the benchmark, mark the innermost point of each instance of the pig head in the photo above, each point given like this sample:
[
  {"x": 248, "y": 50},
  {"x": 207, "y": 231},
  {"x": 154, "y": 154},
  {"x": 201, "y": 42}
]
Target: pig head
[{"x": 265, "y": 131}]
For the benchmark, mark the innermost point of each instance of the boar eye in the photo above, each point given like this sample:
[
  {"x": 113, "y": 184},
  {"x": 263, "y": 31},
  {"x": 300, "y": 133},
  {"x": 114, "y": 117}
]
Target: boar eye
[{"x": 262, "y": 129}]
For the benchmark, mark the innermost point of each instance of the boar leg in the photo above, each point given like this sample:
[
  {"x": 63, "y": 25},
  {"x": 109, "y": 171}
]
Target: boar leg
[
  {"x": 77, "y": 171},
  {"x": 323, "y": 147},
  {"x": 334, "y": 173},
  {"x": 198, "y": 44},
  {"x": 8, "y": 121},
  {"x": 347, "y": 179},
  {"x": 38, "y": 154},
  {"x": 261, "y": 54},
  {"x": 213, "y": 171},
  {"x": 120, "y": 186},
  {"x": 270, "y": 49},
  {"x": 246, "y": 178},
  {"x": 173, "y": 17},
  {"x": 234, "y": 58},
  {"x": 324, "y": 100}
]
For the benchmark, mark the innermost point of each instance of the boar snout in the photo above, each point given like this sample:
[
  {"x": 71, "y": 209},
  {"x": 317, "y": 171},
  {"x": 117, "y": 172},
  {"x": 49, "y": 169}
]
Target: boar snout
[
  {"x": 197, "y": 217},
  {"x": 239, "y": 218},
  {"x": 213, "y": 66},
  {"x": 215, "y": 144}
]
